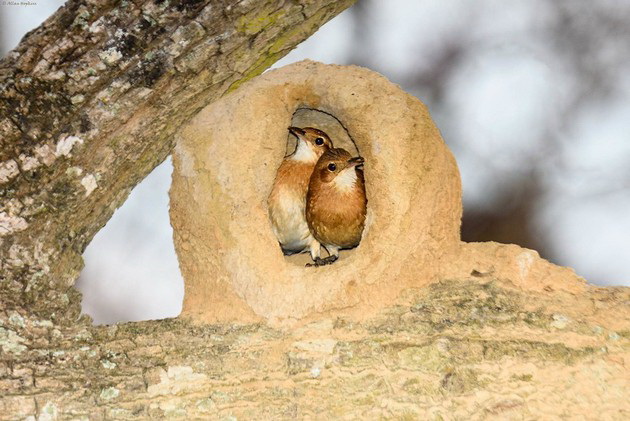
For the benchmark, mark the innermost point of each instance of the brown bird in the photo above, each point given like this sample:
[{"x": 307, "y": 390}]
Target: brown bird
[
  {"x": 336, "y": 203},
  {"x": 287, "y": 201}
]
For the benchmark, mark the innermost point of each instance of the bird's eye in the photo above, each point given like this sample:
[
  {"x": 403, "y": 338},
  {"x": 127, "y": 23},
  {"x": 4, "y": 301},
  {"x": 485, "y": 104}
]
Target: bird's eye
[
  {"x": 332, "y": 167},
  {"x": 319, "y": 141}
]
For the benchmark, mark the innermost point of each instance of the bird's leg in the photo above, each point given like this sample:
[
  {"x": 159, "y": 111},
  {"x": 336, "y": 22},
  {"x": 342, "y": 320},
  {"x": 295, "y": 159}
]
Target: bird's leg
[
  {"x": 315, "y": 249},
  {"x": 333, "y": 256},
  {"x": 333, "y": 252}
]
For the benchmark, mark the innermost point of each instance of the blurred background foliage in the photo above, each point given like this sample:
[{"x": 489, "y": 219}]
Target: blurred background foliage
[{"x": 532, "y": 96}]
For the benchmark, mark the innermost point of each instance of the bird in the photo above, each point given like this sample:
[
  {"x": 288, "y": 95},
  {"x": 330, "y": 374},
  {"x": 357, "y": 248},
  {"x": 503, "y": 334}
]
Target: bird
[
  {"x": 336, "y": 203},
  {"x": 287, "y": 200}
]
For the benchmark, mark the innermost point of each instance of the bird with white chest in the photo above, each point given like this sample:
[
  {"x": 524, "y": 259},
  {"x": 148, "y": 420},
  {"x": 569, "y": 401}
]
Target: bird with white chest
[
  {"x": 287, "y": 201},
  {"x": 336, "y": 203}
]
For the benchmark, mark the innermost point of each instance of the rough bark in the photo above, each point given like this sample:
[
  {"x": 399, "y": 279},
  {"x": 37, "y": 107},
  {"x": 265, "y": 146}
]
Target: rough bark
[
  {"x": 461, "y": 349},
  {"x": 89, "y": 104}
]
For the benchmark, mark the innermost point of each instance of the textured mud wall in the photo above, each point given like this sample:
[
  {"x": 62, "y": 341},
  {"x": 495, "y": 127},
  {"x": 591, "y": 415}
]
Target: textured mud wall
[{"x": 225, "y": 162}]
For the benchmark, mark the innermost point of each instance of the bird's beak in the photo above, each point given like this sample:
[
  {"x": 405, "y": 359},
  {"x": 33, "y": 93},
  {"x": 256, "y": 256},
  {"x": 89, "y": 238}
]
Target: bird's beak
[
  {"x": 296, "y": 131},
  {"x": 356, "y": 161}
]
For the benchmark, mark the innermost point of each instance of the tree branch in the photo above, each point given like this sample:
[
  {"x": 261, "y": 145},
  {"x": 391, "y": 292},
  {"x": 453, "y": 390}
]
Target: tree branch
[
  {"x": 89, "y": 104},
  {"x": 456, "y": 349}
]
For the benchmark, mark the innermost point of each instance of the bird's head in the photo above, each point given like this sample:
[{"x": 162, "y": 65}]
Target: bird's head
[
  {"x": 337, "y": 166},
  {"x": 312, "y": 142}
]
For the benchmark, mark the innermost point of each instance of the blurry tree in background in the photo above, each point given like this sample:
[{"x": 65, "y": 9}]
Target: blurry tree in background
[
  {"x": 585, "y": 47},
  {"x": 3, "y": 42},
  {"x": 532, "y": 96}
]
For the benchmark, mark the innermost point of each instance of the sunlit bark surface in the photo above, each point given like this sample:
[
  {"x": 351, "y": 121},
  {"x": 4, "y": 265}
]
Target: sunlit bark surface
[{"x": 469, "y": 349}]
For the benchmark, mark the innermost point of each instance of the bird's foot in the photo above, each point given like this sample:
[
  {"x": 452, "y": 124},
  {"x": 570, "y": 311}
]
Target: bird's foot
[{"x": 322, "y": 262}]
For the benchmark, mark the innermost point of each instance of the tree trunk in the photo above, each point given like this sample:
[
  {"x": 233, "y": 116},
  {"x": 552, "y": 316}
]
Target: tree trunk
[{"x": 90, "y": 103}]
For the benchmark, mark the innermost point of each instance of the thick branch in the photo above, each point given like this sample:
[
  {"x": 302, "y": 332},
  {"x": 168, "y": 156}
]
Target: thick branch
[
  {"x": 89, "y": 105},
  {"x": 456, "y": 350}
]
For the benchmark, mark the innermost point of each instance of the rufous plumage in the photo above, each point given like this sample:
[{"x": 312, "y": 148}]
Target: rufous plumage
[
  {"x": 287, "y": 201},
  {"x": 336, "y": 202}
]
